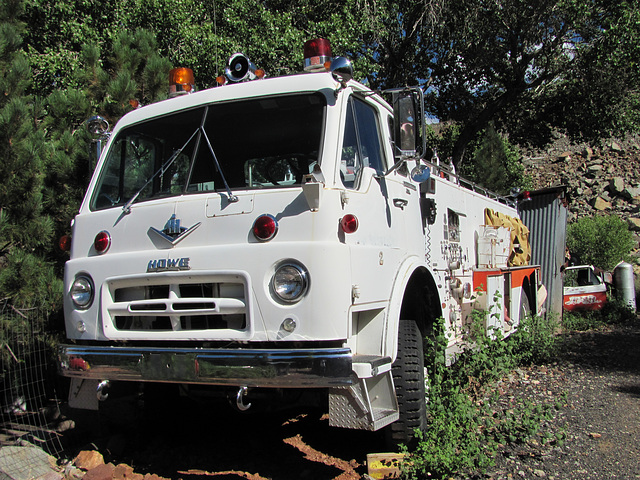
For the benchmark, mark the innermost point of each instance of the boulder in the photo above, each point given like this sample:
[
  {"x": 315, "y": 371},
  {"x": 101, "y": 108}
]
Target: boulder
[
  {"x": 634, "y": 224},
  {"x": 88, "y": 459},
  {"x": 631, "y": 192},
  {"x": 616, "y": 185},
  {"x": 600, "y": 204}
]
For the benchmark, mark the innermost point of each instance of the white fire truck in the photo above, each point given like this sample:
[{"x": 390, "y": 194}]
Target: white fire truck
[{"x": 284, "y": 234}]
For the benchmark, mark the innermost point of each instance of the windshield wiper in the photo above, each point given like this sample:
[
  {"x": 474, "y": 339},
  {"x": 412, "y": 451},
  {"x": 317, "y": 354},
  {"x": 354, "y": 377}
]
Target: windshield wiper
[
  {"x": 232, "y": 198},
  {"x": 126, "y": 208}
]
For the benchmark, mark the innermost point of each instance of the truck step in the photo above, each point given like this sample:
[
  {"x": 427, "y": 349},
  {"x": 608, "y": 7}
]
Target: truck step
[
  {"x": 367, "y": 366},
  {"x": 369, "y": 404}
]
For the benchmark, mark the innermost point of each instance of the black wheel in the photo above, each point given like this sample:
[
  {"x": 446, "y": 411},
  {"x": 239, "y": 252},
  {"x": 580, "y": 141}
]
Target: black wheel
[{"x": 409, "y": 379}]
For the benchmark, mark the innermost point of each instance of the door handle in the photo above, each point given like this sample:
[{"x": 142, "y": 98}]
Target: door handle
[{"x": 400, "y": 203}]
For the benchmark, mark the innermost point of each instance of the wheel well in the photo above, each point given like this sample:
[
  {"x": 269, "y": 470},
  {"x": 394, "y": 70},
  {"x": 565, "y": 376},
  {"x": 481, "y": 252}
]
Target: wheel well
[{"x": 421, "y": 301}]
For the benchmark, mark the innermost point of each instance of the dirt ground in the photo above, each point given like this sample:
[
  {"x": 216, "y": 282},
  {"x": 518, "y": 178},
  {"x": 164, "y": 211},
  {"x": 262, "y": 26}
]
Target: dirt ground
[
  {"x": 597, "y": 381},
  {"x": 594, "y": 386}
]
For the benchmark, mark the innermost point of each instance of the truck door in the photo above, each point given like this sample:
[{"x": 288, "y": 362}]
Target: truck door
[{"x": 377, "y": 201}]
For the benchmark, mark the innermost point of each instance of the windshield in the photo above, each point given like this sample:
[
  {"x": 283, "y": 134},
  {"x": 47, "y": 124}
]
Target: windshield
[{"x": 261, "y": 143}]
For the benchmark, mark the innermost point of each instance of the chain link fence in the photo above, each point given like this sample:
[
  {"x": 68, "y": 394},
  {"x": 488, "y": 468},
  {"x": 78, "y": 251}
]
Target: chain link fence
[{"x": 29, "y": 410}]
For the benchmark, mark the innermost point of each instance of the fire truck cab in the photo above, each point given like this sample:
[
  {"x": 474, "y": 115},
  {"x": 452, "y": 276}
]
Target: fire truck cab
[{"x": 285, "y": 233}]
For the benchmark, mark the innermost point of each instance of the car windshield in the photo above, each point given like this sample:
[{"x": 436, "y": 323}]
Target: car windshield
[
  {"x": 580, "y": 277},
  {"x": 251, "y": 144}
]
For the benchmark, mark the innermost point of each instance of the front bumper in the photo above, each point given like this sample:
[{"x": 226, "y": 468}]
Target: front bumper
[{"x": 276, "y": 368}]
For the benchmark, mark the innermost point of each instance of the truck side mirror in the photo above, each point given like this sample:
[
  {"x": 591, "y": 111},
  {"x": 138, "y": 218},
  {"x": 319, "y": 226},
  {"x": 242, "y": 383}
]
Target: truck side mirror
[
  {"x": 405, "y": 124},
  {"x": 408, "y": 112}
]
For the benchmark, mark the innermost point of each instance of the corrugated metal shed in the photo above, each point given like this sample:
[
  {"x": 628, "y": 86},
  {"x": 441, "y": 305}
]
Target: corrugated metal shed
[{"x": 546, "y": 217}]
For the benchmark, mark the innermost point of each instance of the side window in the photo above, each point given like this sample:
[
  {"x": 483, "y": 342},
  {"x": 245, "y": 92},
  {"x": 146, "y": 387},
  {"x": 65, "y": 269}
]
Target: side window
[
  {"x": 361, "y": 145},
  {"x": 452, "y": 228}
]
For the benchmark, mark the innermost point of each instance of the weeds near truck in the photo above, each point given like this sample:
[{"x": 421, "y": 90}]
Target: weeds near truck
[
  {"x": 613, "y": 312},
  {"x": 468, "y": 419}
]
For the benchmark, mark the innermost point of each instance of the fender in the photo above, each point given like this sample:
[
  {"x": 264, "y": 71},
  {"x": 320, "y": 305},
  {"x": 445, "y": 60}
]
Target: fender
[{"x": 400, "y": 282}]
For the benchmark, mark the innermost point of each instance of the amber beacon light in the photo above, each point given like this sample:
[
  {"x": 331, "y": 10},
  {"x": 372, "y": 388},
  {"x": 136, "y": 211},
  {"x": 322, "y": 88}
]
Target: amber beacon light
[{"x": 181, "y": 81}]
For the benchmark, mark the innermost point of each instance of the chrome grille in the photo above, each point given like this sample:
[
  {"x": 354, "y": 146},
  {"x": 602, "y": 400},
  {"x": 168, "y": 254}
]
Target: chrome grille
[{"x": 180, "y": 304}]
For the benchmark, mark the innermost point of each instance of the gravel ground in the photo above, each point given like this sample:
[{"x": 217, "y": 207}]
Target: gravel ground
[{"x": 595, "y": 387}]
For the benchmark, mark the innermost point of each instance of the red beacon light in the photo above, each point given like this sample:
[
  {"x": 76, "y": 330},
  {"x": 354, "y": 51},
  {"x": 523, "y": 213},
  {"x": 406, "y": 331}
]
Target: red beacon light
[
  {"x": 317, "y": 55},
  {"x": 181, "y": 81}
]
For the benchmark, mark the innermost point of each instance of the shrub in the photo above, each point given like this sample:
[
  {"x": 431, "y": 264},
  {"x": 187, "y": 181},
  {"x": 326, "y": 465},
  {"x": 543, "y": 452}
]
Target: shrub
[
  {"x": 613, "y": 312},
  {"x": 535, "y": 341},
  {"x": 602, "y": 241},
  {"x": 466, "y": 422}
]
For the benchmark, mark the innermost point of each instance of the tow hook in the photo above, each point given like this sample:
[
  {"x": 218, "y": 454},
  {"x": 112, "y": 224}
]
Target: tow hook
[
  {"x": 101, "y": 390},
  {"x": 240, "y": 396}
]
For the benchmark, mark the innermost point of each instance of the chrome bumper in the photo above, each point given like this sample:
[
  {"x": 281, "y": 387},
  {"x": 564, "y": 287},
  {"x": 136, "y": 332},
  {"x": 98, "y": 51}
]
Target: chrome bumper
[{"x": 287, "y": 368}]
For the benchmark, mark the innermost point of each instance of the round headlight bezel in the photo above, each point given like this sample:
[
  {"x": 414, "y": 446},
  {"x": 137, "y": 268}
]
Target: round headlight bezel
[
  {"x": 293, "y": 290},
  {"x": 82, "y": 292}
]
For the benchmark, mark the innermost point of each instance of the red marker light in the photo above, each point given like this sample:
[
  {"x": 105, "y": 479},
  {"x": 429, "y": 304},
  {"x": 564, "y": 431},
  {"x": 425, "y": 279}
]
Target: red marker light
[
  {"x": 265, "y": 227},
  {"x": 102, "y": 242},
  {"x": 65, "y": 243},
  {"x": 349, "y": 223}
]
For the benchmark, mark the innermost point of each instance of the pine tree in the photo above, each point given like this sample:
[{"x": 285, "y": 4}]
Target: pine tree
[
  {"x": 496, "y": 163},
  {"x": 25, "y": 231}
]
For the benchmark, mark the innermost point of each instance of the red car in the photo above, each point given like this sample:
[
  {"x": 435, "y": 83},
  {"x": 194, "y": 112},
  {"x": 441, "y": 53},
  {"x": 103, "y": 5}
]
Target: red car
[{"x": 584, "y": 289}]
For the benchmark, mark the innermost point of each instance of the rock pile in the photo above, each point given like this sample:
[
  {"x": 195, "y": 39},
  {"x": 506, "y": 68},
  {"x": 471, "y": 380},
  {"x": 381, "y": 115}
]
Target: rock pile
[{"x": 600, "y": 180}]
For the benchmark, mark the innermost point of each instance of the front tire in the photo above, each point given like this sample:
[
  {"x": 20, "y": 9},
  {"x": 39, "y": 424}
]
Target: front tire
[{"x": 409, "y": 379}]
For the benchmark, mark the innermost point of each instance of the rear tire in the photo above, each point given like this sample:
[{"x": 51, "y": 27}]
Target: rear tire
[{"x": 409, "y": 379}]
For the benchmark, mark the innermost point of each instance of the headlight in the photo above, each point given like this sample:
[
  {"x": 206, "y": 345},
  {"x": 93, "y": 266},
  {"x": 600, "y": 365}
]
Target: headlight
[
  {"x": 289, "y": 283},
  {"x": 82, "y": 292}
]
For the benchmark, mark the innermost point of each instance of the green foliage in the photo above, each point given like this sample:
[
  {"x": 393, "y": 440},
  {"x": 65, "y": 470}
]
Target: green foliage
[
  {"x": 602, "y": 241},
  {"x": 604, "y": 95},
  {"x": 454, "y": 440},
  {"x": 30, "y": 282},
  {"x": 613, "y": 312},
  {"x": 443, "y": 140},
  {"x": 521, "y": 64},
  {"x": 535, "y": 341},
  {"x": 497, "y": 164},
  {"x": 467, "y": 419},
  {"x": 22, "y": 146}
]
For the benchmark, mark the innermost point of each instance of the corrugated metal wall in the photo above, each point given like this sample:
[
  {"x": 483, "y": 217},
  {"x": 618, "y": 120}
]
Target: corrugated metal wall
[{"x": 546, "y": 217}]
